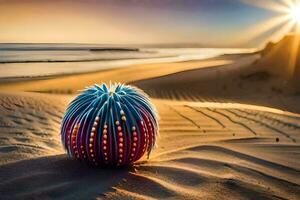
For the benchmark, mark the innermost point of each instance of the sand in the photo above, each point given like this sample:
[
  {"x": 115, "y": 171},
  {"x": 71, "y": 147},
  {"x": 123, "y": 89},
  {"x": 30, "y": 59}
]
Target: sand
[
  {"x": 203, "y": 152},
  {"x": 215, "y": 150},
  {"x": 245, "y": 80},
  {"x": 73, "y": 83},
  {"x": 283, "y": 60}
]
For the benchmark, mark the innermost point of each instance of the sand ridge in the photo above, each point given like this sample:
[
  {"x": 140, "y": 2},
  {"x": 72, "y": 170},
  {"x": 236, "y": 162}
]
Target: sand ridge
[
  {"x": 202, "y": 152},
  {"x": 242, "y": 81}
]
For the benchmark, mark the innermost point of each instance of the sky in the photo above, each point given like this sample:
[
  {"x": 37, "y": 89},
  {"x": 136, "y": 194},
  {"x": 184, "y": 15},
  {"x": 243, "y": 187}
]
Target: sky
[{"x": 221, "y": 23}]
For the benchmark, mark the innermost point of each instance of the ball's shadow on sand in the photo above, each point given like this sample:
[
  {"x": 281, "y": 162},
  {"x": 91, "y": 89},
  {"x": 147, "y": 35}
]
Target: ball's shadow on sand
[{"x": 57, "y": 177}]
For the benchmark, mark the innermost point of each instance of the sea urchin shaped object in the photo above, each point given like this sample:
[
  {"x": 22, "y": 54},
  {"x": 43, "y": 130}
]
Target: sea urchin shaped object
[{"x": 109, "y": 126}]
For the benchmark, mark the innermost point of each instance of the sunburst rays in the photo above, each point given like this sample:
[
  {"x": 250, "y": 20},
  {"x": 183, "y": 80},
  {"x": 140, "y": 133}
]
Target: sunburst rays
[
  {"x": 254, "y": 32},
  {"x": 285, "y": 19},
  {"x": 294, "y": 54},
  {"x": 295, "y": 14},
  {"x": 285, "y": 28},
  {"x": 278, "y": 6},
  {"x": 288, "y": 3},
  {"x": 288, "y": 20}
]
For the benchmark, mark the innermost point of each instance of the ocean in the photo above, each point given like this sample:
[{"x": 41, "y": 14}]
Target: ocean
[{"x": 42, "y": 60}]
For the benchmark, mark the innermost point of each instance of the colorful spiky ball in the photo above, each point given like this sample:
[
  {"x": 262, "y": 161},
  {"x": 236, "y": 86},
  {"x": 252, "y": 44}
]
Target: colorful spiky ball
[{"x": 113, "y": 125}]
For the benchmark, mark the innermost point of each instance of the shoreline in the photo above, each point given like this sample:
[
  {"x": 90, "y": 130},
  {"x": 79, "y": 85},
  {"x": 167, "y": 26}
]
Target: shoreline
[
  {"x": 12, "y": 83},
  {"x": 16, "y": 79},
  {"x": 14, "y": 71}
]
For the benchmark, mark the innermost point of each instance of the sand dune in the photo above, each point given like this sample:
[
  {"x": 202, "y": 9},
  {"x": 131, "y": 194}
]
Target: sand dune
[
  {"x": 283, "y": 58},
  {"x": 29, "y": 125},
  {"x": 243, "y": 81},
  {"x": 208, "y": 152}
]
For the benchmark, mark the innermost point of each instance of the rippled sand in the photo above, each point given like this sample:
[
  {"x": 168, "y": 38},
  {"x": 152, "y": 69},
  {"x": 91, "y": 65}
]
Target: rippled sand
[
  {"x": 204, "y": 151},
  {"x": 209, "y": 147}
]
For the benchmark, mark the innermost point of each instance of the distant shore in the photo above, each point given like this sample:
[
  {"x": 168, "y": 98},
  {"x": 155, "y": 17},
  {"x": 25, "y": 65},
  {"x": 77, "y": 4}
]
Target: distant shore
[
  {"x": 6, "y": 80},
  {"x": 33, "y": 61},
  {"x": 74, "y": 82}
]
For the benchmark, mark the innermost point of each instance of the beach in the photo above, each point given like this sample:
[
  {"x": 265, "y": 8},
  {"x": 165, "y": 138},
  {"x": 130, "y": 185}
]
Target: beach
[
  {"x": 152, "y": 99},
  {"x": 216, "y": 141}
]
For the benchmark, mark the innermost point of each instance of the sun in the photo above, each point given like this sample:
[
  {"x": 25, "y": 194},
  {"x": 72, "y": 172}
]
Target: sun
[{"x": 295, "y": 13}]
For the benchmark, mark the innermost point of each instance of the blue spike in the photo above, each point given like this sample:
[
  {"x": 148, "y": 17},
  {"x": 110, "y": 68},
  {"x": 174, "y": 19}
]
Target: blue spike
[{"x": 99, "y": 106}]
